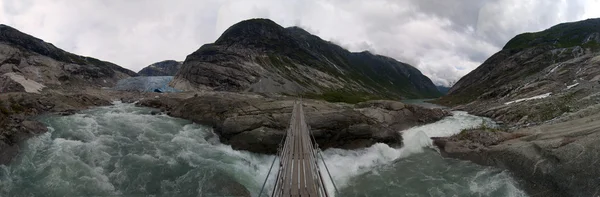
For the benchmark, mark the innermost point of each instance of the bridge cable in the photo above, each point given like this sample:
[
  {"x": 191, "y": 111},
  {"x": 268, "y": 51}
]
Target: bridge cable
[
  {"x": 273, "y": 163},
  {"x": 267, "y": 178},
  {"x": 323, "y": 160},
  {"x": 330, "y": 177}
]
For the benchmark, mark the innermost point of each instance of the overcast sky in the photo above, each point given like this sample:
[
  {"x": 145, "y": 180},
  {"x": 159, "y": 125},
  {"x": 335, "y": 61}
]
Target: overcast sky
[{"x": 445, "y": 39}]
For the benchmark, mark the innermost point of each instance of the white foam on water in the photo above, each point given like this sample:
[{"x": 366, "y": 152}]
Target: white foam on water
[
  {"x": 484, "y": 187},
  {"x": 345, "y": 164},
  {"x": 91, "y": 153},
  {"x": 101, "y": 150}
]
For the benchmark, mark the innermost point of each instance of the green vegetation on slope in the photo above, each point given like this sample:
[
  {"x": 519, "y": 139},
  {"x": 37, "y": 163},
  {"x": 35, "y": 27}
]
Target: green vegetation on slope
[
  {"x": 525, "y": 55},
  {"x": 344, "y": 96},
  {"x": 561, "y": 36},
  {"x": 324, "y": 65}
]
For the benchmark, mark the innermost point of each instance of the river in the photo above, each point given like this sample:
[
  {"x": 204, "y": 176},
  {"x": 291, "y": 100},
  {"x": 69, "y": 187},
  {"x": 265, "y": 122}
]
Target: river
[{"x": 123, "y": 150}]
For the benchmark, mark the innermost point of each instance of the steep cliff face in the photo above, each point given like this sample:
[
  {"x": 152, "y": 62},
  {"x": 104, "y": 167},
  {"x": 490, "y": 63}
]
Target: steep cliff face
[
  {"x": 547, "y": 85},
  {"x": 258, "y": 55},
  {"x": 164, "y": 68},
  {"x": 30, "y": 62},
  {"x": 536, "y": 76}
]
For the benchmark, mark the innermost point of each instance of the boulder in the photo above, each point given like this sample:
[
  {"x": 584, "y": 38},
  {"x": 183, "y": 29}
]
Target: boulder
[
  {"x": 221, "y": 184},
  {"x": 258, "y": 124},
  {"x": 384, "y": 104},
  {"x": 553, "y": 160},
  {"x": 9, "y": 85},
  {"x": 8, "y": 68}
]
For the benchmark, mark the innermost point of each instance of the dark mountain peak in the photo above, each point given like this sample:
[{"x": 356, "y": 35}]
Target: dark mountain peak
[
  {"x": 252, "y": 26},
  {"x": 584, "y": 33},
  {"x": 298, "y": 30},
  {"x": 255, "y": 22},
  {"x": 292, "y": 60},
  {"x": 165, "y": 63},
  {"x": 26, "y": 42},
  {"x": 256, "y": 33},
  {"x": 14, "y": 37},
  {"x": 162, "y": 68},
  {"x": 4, "y": 28}
]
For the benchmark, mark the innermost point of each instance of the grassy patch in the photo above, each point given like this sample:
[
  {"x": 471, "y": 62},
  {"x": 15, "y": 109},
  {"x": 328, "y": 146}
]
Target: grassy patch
[
  {"x": 3, "y": 109},
  {"x": 544, "y": 110},
  {"x": 14, "y": 106},
  {"x": 557, "y": 107},
  {"x": 457, "y": 99},
  {"x": 344, "y": 96},
  {"x": 564, "y": 35},
  {"x": 481, "y": 127}
]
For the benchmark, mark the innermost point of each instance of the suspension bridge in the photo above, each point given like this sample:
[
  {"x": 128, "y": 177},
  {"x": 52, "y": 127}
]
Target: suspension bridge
[{"x": 299, "y": 173}]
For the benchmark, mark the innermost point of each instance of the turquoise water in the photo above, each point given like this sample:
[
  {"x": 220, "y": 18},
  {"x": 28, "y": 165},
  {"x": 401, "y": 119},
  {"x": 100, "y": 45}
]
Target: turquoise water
[
  {"x": 123, "y": 150},
  {"x": 422, "y": 103}
]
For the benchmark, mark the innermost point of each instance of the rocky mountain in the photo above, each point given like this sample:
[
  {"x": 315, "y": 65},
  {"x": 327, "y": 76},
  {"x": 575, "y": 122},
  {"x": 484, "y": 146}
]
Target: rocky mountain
[
  {"x": 258, "y": 55},
  {"x": 30, "y": 64},
  {"x": 536, "y": 77},
  {"x": 546, "y": 87},
  {"x": 443, "y": 89},
  {"x": 164, "y": 68}
]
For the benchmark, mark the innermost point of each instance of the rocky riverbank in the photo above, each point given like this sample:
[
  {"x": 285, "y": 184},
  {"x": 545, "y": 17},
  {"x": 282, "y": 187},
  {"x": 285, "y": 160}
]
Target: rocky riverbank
[
  {"x": 264, "y": 58},
  {"x": 256, "y": 123},
  {"x": 246, "y": 121},
  {"x": 558, "y": 159},
  {"x": 544, "y": 87},
  {"x": 19, "y": 109}
]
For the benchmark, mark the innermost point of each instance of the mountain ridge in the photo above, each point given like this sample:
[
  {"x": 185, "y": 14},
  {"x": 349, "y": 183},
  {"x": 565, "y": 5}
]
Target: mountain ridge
[
  {"x": 544, "y": 89},
  {"x": 505, "y": 73},
  {"x": 162, "y": 68},
  {"x": 29, "y": 64},
  {"x": 25, "y": 41},
  {"x": 258, "y": 55}
]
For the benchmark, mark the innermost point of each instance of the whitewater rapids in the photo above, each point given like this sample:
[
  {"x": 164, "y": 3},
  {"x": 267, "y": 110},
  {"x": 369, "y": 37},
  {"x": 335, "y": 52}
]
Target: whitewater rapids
[{"x": 123, "y": 150}]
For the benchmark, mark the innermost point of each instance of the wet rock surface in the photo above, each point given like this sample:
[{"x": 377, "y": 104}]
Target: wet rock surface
[
  {"x": 545, "y": 87},
  {"x": 8, "y": 85},
  {"x": 36, "y": 78},
  {"x": 257, "y": 124},
  {"x": 18, "y": 109},
  {"x": 559, "y": 159}
]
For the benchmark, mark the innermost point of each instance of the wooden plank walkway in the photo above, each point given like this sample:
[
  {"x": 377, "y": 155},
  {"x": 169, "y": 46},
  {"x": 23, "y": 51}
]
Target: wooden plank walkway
[{"x": 299, "y": 173}]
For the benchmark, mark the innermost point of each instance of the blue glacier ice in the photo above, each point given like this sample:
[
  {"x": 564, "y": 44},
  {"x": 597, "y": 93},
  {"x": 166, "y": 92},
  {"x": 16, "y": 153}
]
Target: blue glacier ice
[{"x": 146, "y": 84}]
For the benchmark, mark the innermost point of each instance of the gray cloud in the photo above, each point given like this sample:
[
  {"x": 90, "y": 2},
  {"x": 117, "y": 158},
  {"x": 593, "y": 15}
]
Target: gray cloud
[{"x": 444, "y": 39}]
